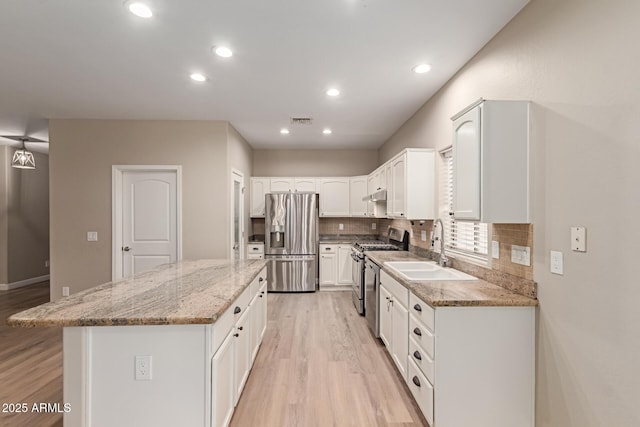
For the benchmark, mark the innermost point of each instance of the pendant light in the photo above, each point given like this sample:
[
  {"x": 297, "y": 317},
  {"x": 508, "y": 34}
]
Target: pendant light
[{"x": 23, "y": 158}]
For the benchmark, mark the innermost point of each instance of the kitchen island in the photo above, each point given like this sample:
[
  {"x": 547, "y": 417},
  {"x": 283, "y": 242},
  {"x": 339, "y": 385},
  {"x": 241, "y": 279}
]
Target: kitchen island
[{"x": 172, "y": 346}]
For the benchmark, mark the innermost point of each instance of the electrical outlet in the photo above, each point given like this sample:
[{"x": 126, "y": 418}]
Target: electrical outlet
[
  {"x": 92, "y": 236},
  {"x": 143, "y": 368},
  {"x": 46, "y": 263},
  {"x": 557, "y": 264},
  {"x": 423, "y": 235},
  {"x": 373, "y": 225},
  {"x": 340, "y": 226},
  {"x": 65, "y": 291}
]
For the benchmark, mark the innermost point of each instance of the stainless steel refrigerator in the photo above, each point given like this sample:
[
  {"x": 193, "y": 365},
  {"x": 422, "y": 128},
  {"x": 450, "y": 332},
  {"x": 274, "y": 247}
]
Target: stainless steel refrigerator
[{"x": 291, "y": 241}]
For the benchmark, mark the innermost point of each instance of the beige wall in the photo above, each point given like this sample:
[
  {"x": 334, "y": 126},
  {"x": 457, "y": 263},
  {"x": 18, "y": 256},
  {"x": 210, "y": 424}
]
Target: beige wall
[
  {"x": 81, "y": 155},
  {"x": 28, "y": 207},
  {"x": 24, "y": 219},
  {"x": 314, "y": 162},
  {"x": 577, "y": 61},
  {"x": 4, "y": 214},
  {"x": 241, "y": 158}
]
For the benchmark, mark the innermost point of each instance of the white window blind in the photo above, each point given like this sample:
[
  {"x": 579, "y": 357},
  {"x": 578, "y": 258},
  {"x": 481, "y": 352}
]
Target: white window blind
[{"x": 466, "y": 238}]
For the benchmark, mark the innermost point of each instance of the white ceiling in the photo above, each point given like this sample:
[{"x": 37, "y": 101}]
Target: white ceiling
[{"x": 93, "y": 59}]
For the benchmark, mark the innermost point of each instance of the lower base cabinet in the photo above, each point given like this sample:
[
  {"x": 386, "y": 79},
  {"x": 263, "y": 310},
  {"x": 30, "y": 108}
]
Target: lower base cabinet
[
  {"x": 223, "y": 386},
  {"x": 465, "y": 365}
]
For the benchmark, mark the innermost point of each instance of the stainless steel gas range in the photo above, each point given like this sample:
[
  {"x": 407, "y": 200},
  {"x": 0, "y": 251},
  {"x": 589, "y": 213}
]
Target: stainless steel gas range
[{"x": 396, "y": 240}]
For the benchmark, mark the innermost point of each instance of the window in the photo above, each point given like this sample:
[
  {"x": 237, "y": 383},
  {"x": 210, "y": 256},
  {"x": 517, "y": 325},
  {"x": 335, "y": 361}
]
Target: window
[{"x": 465, "y": 238}]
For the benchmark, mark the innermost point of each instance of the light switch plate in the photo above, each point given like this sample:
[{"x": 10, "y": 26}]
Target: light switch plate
[
  {"x": 92, "y": 236},
  {"x": 423, "y": 235},
  {"x": 495, "y": 249},
  {"x": 340, "y": 226},
  {"x": 557, "y": 265},
  {"x": 521, "y": 255},
  {"x": 65, "y": 291},
  {"x": 579, "y": 239},
  {"x": 373, "y": 226}
]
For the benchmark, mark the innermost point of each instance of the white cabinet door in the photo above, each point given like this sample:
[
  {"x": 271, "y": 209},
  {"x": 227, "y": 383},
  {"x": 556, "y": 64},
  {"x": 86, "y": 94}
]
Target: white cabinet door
[
  {"x": 223, "y": 386},
  {"x": 358, "y": 190},
  {"x": 259, "y": 187},
  {"x": 466, "y": 165},
  {"x": 345, "y": 267},
  {"x": 242, "y": 336},
  {"x": 282, "y": 184},
  {"x": 304, "y": 184},
  {"x": 398, "y": 186},
  {"x": 328, "y": 270},
  {"x": 334, "y": 197},
  {"x": 400, "y": 337},
  {"x": 258, "y": 319},
  {"x": 385, "y": 312}
]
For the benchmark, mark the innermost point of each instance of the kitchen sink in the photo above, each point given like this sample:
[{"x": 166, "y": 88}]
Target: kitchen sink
[{"x": 417, "y": 270}]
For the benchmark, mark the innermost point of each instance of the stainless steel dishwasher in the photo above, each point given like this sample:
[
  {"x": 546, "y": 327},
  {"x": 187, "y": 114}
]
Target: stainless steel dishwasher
[{"x": 372, "y": 295}]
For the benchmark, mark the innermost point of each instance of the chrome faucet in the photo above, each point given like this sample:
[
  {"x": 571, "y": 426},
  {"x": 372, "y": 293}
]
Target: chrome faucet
[{"x": 442, "y": 261}]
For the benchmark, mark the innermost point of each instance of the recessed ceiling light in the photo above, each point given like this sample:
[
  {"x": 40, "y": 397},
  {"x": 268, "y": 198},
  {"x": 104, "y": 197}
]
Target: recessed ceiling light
[
  {"x": 223, "y": 51},
  {"x": 333, "y": 92},
  {"x": 197, "y": 77},
  {"x": 139, "y": 8},
  {"x": 421, "y": 68},
  {"x": 327, "y": 131},
  {"x": 284, "y": 131}
]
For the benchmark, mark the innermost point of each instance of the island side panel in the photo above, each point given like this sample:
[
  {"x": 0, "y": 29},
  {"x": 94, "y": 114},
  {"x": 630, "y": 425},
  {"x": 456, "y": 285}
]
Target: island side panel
[{"x": 176, "y": 394}]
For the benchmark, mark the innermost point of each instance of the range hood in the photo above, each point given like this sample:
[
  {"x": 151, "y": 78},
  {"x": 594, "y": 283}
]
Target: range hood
[{"x": 378, "y": 196}]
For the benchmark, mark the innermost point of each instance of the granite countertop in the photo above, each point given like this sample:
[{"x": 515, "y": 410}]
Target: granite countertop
[
  {"x": 187, "y": 292},
  {"x": 346, "y": 239},
  {"x": 450, "y": 293}
]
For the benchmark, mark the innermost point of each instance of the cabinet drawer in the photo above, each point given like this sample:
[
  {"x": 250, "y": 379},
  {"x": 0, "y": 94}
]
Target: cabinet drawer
[
  {"x": 399, "y": 292},
  {"x": 422, "y": 360},
  {"x": 255, "y": 248},
  {"x": 257, "y": 284},
  {"x": 328, "y": 249},
  {"x": 422, "y": 336},
  {"x": 221, "y": 328},
  {"x": 255, "y": 256},
  {"x": 422, "y": 311},
  {"x": 422, "y": 390}
]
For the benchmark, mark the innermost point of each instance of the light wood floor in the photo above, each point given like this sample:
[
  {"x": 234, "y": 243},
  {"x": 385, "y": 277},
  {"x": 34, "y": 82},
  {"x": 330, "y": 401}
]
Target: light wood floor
[
  {"x": 318, "y": 366},
  {"x": 30, "y": 360}
]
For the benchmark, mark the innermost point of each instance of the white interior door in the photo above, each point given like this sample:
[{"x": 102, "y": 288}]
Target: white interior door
[{"x": 149, "y": 201}]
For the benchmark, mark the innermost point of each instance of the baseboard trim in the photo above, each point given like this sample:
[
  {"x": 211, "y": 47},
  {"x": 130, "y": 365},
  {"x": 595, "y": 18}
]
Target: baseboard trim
[{"x": 25, "y": 282}]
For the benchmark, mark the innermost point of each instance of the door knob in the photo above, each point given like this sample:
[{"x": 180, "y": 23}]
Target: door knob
[{"x": 126, "y": 248}]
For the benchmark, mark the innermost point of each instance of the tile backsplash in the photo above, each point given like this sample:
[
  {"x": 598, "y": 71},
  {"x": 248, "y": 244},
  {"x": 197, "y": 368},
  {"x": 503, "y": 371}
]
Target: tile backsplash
[{"x": 508, "y": 235}]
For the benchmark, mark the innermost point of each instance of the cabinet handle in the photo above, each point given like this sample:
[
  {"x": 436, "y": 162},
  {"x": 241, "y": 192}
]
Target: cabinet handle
[
  {"x": 261, "y": 279},
  {"x": 418, "y": 332},
  {"x": 401, "y": 214},
  {"x": 236, "y": 335},
  {"x": 450, "y": 213},
  {"x": 417, "y": 355},
  {"x": 416, "y": 381},
  {"x": 260, "y": 295},
  {"x": 237, "y": 310},
  {"x": 261, "y": 292},
  {"x": 417, "y": 307},
  {"x": 387, "y": 298}
]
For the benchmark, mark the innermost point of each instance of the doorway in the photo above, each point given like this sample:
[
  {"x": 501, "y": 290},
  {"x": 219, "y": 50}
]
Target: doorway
[
  {"x": 147, "y": 218},
  {"x": 237, "y": 215}
]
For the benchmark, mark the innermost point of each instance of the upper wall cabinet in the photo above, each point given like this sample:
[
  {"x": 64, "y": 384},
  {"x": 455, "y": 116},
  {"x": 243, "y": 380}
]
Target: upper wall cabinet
[
  {"x": 358, "y": 190},
  {"x": 282, "y": 184},
  {"x": 334, "y": 196},
  {"x": 491, "y": 162},
  {"x": 305, "y": 184},
  {"x": 259, "y": 187},
  {"x": 411, "y": 184}
]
